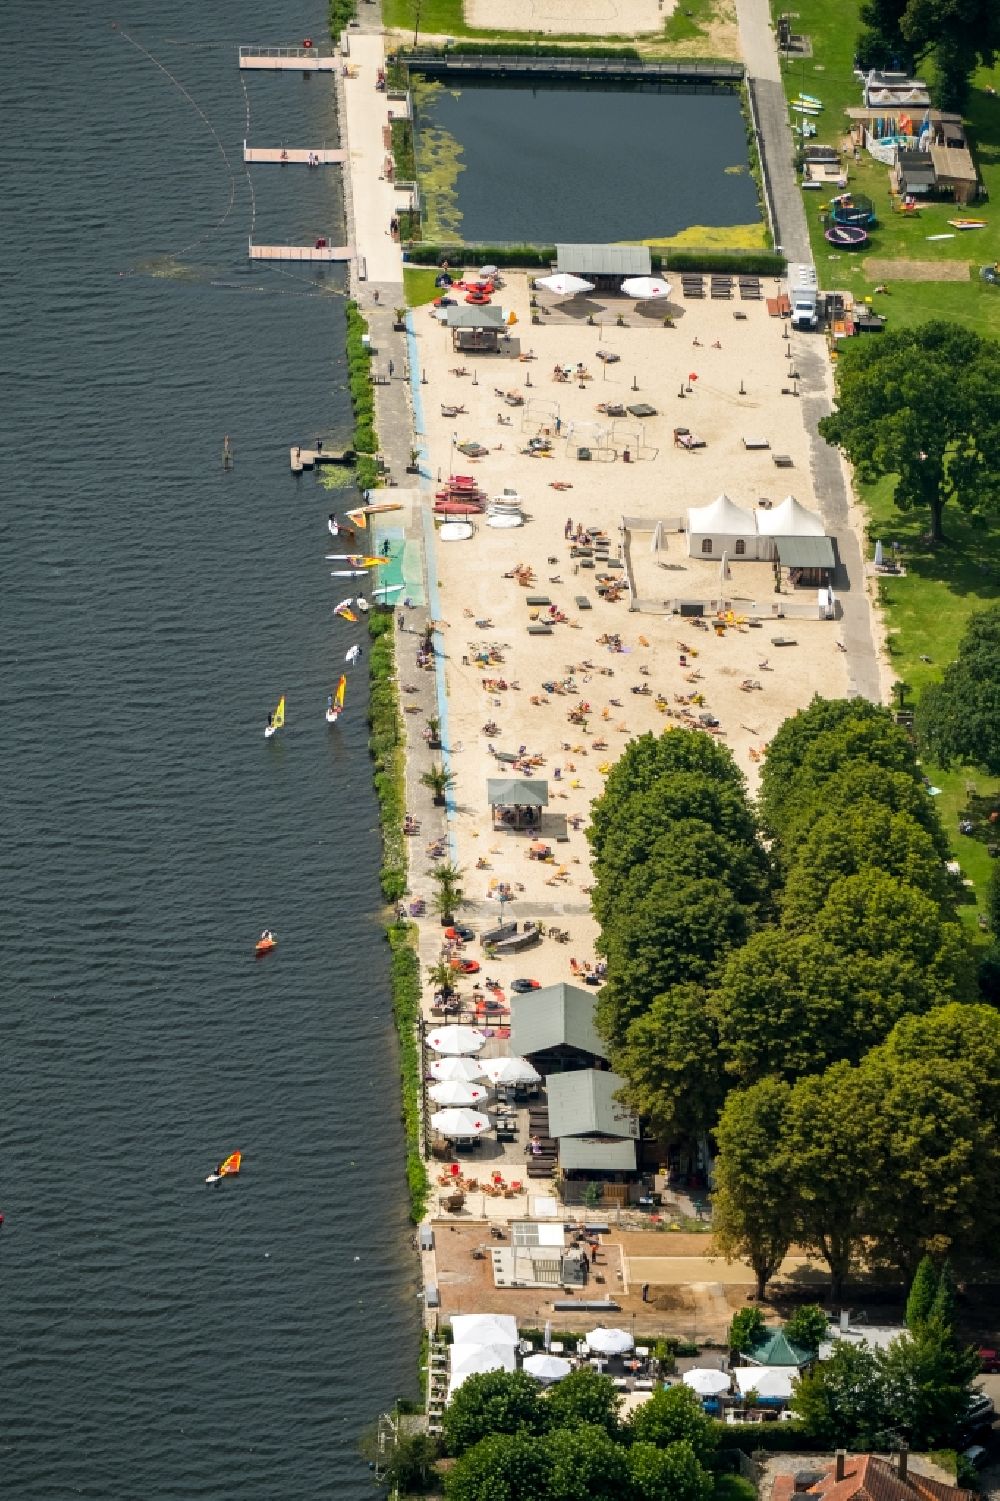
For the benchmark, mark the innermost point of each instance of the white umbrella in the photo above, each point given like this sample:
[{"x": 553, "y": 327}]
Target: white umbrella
[
  {"x": 456, "y": 1092},
  {"x": 724, "y": 573},
  {"x": 564, "y": 284},
  {"x": 706, "y": 1382},
  {"x": 484, "y": 1329},
  {"x": 440, "y": 313},
  {"x": 510, "y": 1071},
  {"x": 878, "y": 555},
  {"x": 547, "y": 1367},
  {"x": 465, "y": 1069},
  {"x": 645, "y": 288},
  {"x": 610, "y": 1341},
  {"x": 456, "y": 1039},
  {"x": 488, "y": 270},
  {"x": 454, "y": 1122}
]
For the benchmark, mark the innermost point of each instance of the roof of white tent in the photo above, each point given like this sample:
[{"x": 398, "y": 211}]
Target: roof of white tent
[
  {"x": 484, "y": 1328},
  {"x": 790, "y": 519},
  {"x": 766, "y": 1383},
  {"x": 474, "y": 1360},
  {"x": 723, "y": 518}
]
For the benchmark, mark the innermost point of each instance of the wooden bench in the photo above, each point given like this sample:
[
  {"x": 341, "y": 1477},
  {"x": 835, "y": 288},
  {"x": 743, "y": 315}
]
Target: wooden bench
[
  {"x": 537, "y": 599},
  {"x": 583, "y": 603},
  {"x": 756, "y": 443},
  {"x": 539, "y": 629},
  {"x": 783, "y": 460}
]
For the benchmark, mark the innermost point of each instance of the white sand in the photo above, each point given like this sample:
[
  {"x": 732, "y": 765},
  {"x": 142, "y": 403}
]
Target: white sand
[
  {"x": 571, "y": 17},
  {"x": 664, "y": 482}
]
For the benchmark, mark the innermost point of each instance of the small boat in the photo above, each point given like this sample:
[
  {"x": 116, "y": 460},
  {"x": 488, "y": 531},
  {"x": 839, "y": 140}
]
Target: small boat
[
  {"x": 810, "y": 99},
  {"x": 378, "y": 506},
  {"x": 275, "y": 721},
  {"x": 265, "y": 943},
  {"x": 229, "y": 1167},
  {"x": 352, "y": 656},
  {"x": 356, "y": 560},
  {"x": 804, "y": 109},
  {"x": 335, "y": 704},
  {"x": 967, "y": 223}
]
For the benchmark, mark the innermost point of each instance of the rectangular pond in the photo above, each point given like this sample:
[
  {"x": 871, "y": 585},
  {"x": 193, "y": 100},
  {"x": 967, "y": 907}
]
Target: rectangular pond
[{"x": 508, "y": 161}]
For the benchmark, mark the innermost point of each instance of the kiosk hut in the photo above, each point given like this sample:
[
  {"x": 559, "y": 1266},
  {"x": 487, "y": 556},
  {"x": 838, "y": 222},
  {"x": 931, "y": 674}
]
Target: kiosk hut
[
  {"x": 607, "y": 266},
  {"x": 517, "y": 804},
  {"x": 597, "y": 1136},
  {"x": 794, "y": 538},
  {"x": 476, "y": 330},
  {"x": 554, "y": 1029}
]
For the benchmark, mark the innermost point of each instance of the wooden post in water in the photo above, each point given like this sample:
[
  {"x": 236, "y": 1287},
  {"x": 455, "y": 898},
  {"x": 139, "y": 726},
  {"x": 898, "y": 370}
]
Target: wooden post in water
[{"x": 227, "y": 452}]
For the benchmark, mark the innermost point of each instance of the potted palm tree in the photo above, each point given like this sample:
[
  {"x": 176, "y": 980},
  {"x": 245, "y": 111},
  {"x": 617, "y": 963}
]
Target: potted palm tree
[
  {"x": 433, "y": 732},
  {"x": 442, "y": 977},
  {"x": 449, "y": 895},
  {"x": 399, "y": 320},
  {"x": 438, "y": 779}
]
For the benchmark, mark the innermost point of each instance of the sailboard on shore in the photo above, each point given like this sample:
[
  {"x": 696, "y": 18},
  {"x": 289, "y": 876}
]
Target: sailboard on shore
[
  {"x": 335, "y": 704},
  {"x": 275, "y": 721},
  {"x": 348, "y": 573},
  {"x": 229, "y": 1167},
  {"x": 387, "y": 589}
]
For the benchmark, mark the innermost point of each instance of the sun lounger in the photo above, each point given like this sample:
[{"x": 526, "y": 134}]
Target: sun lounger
[
  {"x": 583, "y": 603},
  {"x": 783, "y": 460},
  {"x": 756, "y": 443},
  {"x": 537, "y": 599},
  {"x": 539, "y": 629}
]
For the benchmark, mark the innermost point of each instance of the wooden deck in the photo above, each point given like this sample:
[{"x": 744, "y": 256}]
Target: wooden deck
[
  {"x": 292, "y": 155},
  {"x": 301, "y": 252},
  {"x": 293, "y": 59},
  {"x": 306, "y": 458}
]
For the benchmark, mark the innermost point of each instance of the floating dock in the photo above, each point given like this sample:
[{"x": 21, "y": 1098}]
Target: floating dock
[
  {"x": 300, "y": 252},
  {"x": 307, "y": 458},
  {"x": 613, "y": 69},
  {"x": 291, "y": 59},
  {"x": 292, "y": 155}
]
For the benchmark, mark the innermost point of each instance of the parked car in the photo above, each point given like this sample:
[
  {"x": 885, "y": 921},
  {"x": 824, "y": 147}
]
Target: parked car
[
  {"x": 980, "y": 1413},
  {"x": 522, "y": 986},
  {"x": 989, "y": 1360}
]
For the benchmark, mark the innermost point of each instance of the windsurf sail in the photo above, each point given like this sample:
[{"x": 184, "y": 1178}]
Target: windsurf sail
[
  {"x": 278, "y": 722},
  {"x": 341, "y": 690},
  {"x": 229, "y": 1166},
  {"x": 352, "y": 655},
  {"x": 357, "y": 560},
  {"x": 358, "y": 517}
]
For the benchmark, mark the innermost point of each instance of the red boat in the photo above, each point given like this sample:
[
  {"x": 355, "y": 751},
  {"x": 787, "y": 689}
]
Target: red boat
[{"x": 265, "y": 943}]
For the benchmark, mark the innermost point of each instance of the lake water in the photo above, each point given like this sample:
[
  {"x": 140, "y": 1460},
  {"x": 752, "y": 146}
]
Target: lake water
[
  {"x": 562, "y": 162},
  {"x": 163, "y": 1340}
]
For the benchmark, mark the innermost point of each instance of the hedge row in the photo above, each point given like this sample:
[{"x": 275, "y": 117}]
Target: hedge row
[
  {"x": 782, "y": 1438},
  {"x": 402, "y": 151},
  {"x": 405, "y": 974},
  {"x": 359, "y": 363},
  {"x": 759, "y": 262}
]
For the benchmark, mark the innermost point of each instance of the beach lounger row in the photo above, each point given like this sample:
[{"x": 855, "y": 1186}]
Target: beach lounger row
[{"x": 693, "y": 286}]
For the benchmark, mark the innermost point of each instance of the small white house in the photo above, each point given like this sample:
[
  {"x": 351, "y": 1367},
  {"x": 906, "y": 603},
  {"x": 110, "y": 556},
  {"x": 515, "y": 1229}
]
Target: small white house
[{"x": 722, "y": 527}]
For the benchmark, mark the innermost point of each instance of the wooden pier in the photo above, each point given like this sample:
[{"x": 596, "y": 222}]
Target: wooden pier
[
  {"x": 307, "y": 458},
  {"x": 300, "y": 252},
  {"x": 293, "y": 156},
  {"x": 611, "y": 69},
  {"x": 290, "y": 59}
]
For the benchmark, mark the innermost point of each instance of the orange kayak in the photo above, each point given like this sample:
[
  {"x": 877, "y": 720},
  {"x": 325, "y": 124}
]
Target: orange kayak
[{"x": 265, "y": 943}]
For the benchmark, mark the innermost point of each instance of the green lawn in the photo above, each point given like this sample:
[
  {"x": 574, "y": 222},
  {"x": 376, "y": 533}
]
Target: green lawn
[
  {"x": 419, "y": 285},
  {"x": 925, "y": 616},
  {"x": 828, "y": 75}
]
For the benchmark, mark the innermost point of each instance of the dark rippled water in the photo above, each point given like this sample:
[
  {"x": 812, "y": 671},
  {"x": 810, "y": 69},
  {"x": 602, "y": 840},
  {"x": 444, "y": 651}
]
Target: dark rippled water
[{"x": 161, "y": 1339}]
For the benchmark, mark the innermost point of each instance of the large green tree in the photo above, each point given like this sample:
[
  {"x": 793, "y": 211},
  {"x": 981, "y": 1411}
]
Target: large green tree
[
  {"x": 923, "y": 1289},
  {"x": 584, "y": 1461},
  {"x": 753, "y": 1214},
  {"x": 673, "y": 1415},
  {"x": 671, "y": 1060},
  {"x": 491, "y": 1403},
  {"x": 957, "y": 35},
  {"x": 830, "y": 1126},
  {"x": 584, "y": 1398},
  {"x": 502, "y": 1467},
  {"x": 792, "y": 741},
  {"x": 928, "y": 1380},
  {"x": 694, "y": 848},
  {"x": 866, "y": 836},
  {"x": 676, "y": 932},
  {"x": 958, "y": 719},
  {"x": 844, "y": 1400},
  {"x": 672, "y": 1474},
  {"x": 923, "y": 404}
]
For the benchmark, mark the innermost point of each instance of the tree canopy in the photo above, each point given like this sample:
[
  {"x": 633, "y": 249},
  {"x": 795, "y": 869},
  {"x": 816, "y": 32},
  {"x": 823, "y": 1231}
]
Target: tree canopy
[
  {"x": 751, "y": 1215},
  {"x": 670, "y": 1058},
  {"x": 942, "y": 448},
  {"x": 959, "y": 35},
  {"x": 958, "y": 719},
  {"x": 672, "y": 1415},
  {"x": 492, "y": 1403}
]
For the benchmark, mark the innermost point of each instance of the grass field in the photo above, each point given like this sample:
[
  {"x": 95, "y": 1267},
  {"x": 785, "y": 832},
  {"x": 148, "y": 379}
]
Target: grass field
[
  {"x": 419, "y": 285},
  {"x": 833, "y": 28}
]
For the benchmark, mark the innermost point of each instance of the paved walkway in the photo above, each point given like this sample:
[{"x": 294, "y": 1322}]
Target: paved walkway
[{"x": 760, "y": 55}]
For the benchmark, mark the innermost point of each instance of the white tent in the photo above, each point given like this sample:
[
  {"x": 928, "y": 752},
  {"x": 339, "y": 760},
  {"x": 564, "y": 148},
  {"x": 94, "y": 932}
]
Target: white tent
[
  {"x": 790, "y": 519},
  {"x": 473, "y": 1360},
  {"x": 564, "y": 284},
  {"x": 610, "y": 1341},
  {"x": 484, "y": 1329},
  {"x": 460, "y": 1123},
  {"x": 721, "y": 527},
  {"x": 764, "y": 1382},
  {"x": 705, "y": 1381},
  {"x": 510, "y": 1071},
  {"x": 456, "y": 1039},
  {"x": 456, "y": 1092}
]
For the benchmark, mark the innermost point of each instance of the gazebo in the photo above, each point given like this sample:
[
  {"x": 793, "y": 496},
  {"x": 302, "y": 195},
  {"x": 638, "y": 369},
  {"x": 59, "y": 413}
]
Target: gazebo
[
  {"x": 476, "y": 329},
  {"x": 517, "y": 804}
]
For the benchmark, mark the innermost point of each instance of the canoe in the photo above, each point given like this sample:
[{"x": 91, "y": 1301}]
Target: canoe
[{"x": 967, "y": 223}]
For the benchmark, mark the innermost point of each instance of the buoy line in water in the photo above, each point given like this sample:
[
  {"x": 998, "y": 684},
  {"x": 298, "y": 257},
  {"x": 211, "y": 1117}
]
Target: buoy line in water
[{"x": 215, "y": 134}]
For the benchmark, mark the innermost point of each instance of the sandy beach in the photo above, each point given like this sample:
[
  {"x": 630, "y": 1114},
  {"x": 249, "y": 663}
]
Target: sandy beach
[{"x": 567, "y": 698}]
